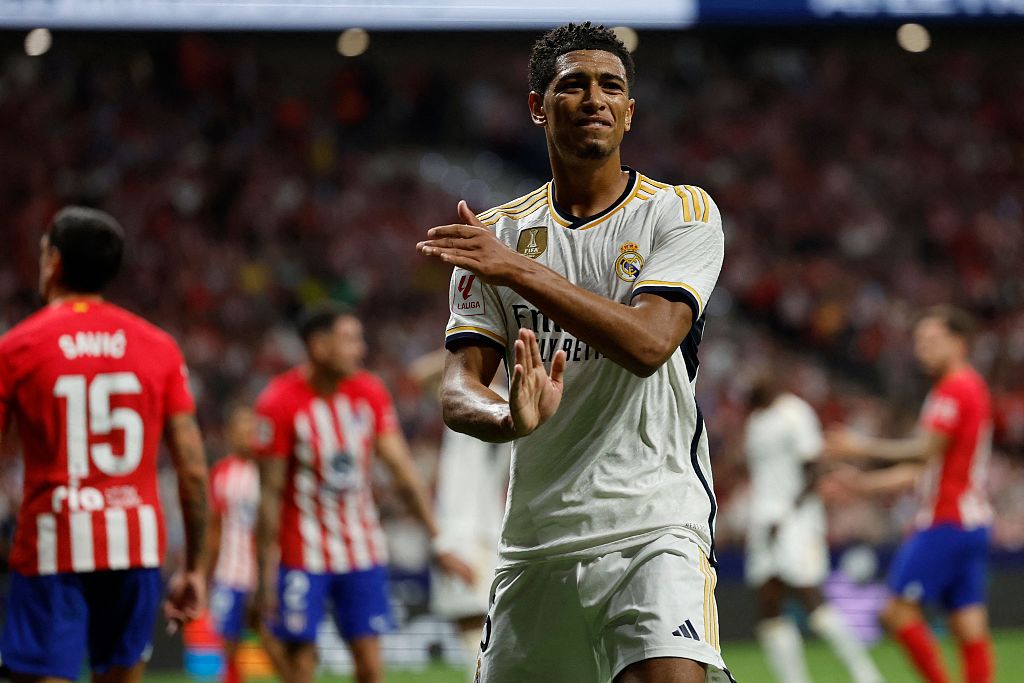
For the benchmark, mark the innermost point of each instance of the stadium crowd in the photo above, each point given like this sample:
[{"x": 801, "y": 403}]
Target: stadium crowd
[{"x": 258, "y": 175}]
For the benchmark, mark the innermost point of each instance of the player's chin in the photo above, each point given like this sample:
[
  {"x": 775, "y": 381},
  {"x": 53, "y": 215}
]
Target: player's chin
[{"x": 594, "y": 149}]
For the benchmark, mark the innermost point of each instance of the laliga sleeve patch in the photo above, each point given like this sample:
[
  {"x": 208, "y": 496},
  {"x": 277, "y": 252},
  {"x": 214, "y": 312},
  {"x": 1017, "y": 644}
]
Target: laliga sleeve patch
[{"x": 468, "y": 296}]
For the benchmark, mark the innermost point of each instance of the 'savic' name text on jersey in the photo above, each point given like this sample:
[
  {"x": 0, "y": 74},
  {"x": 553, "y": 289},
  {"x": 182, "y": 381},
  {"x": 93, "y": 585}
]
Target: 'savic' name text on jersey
[{"x": 93, "y": 344}]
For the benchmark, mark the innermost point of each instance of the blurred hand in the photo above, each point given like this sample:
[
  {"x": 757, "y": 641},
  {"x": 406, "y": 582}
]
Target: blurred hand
[
  {"x": 261, "y": 608},
  {"x": 533, "y": 396},
  {"x": 450, "y": 564},
  {"x": 843, "y": 443},
  {"x": 841, "y": 485},
  {"x": 186, "y": 598}
]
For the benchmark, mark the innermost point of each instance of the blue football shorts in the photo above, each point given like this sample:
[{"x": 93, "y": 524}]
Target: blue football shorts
[
  {"x": 227, "y": 610},
  {"x": 944, "y": 564},
  {"x": 359, "y": 602},
  {"x": 54, "y": 621}
]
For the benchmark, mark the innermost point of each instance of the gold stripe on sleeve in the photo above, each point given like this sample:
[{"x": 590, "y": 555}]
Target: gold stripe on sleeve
[
  {"x": 534, "y": 205},
  {"x": 707, "y": 203},
  {"x": 698, "y": 209},
  {"x": 655, "y": 183},
  {"x": 687, "y": 213},
  {"x": 678, "y": 285},
  {"x": 512, "y": 205},
  {"x": 479, "y": 330}
]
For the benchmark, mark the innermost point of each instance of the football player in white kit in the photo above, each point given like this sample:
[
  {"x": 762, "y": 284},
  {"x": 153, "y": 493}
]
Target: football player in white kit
[
  {"x": 592, "y": 289},
  {"x": 786, "y": 548}
]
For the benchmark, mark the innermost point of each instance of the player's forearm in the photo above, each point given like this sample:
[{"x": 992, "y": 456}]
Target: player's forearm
[
  {"x": 415, "y": 497},
  {"x": 890, "y": 480},
  {"x": 267, "y": 526},
  {"x": 913, "y": 449},
  {"x": 268, "y": 519},
  {"x": 625, "y": 334},
  {"x": 212, "y": 545},
  {"x": 471, "y": 408},
  {"x": 190, "y": 463}
]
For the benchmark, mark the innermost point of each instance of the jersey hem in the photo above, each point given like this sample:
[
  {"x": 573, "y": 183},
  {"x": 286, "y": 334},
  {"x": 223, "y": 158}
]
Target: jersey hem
[{"x": 507, "y": 562}]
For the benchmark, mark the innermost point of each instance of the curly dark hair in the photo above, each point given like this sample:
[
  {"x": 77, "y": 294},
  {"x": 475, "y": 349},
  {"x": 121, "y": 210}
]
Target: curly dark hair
[
  {"x": 91, "y": 246},
  {"x": 570, "y": 38}
]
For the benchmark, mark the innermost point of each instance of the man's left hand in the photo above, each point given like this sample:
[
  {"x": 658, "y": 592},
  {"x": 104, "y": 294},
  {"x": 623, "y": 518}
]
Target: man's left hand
[{"x": 474, "y": 247}]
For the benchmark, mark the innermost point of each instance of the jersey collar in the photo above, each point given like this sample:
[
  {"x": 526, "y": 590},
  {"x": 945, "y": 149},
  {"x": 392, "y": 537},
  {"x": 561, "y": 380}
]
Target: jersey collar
[{"x": 567, "y": 220}]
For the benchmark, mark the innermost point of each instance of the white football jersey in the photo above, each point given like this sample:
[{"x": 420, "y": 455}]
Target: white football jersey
[
  {"x": 779, "y": 440},
  {"x": 625, "y": 459}
]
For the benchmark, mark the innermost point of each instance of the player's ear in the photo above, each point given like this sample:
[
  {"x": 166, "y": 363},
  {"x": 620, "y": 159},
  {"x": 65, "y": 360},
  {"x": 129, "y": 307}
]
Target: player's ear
[
  {"x": 630, "y": 110},
  {"x": 52, "y": 264},
  {"x": 536, "y": 102}
]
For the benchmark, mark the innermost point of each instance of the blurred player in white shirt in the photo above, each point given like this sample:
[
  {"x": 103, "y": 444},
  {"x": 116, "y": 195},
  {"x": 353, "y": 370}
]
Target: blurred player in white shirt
[
  {"x": 472, "y": 479},
  {"x": 786, "y": 549}
]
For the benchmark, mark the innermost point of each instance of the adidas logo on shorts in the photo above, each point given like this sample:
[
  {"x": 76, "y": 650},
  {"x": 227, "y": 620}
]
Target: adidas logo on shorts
[{"x": 686, "y": 630}]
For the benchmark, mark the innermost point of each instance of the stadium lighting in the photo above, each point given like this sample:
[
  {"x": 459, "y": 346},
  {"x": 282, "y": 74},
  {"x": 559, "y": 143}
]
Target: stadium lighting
[
  {"x": 353, "y": 42},
  {"x": 913, "y": 37},
  {"x": 628, "y": 37},
  {"x": 38, "y": 42}
]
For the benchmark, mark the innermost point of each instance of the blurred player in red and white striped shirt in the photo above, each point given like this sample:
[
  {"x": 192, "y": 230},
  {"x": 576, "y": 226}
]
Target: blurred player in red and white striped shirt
[
  {"x": 234, "y": 500},
  {"x": 321, "y": 424},
  {"x": 944, "y": 560},
  {"x": 92, "y": 388}
]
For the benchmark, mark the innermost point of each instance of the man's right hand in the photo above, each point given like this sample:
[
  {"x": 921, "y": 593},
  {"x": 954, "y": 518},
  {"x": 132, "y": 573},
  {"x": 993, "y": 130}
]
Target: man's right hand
[
  {"x": 262, "y": 608},
  {"x": 534, "y": 395},
  {"x": 186, "y": 598}
]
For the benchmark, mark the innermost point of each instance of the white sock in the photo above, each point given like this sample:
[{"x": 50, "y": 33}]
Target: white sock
[
  {"x": 784, "y": 649},
  {"x": 832, "y": 628}
]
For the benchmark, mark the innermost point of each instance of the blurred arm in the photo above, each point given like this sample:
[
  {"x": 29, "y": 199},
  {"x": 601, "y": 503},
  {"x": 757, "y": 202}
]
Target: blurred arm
[
  {"x": 889, "y": 480},
  {"x": 923, "y": 445},
  {"x": 213, "y": 532},
  {"x": 273, "y": 471},
  {"x": 186, "y": 446},
  {"x": 394, "y": 451}
]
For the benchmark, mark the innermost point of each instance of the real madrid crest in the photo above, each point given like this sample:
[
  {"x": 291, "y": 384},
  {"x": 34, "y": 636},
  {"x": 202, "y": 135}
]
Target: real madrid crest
[
  {"x": 629, "y": 262},
  {"x": 533, "y": 241}
]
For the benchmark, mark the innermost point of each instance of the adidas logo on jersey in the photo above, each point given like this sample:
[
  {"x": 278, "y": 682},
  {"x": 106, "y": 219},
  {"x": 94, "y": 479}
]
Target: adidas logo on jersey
[{"x": 686, "y": 630}]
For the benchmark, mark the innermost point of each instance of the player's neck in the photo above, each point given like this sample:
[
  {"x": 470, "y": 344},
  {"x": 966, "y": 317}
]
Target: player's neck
[
  {"x": 323, "y": 382},
  {"x": 585, "y": 187},
  {"x": 60, "y": 295},
  {"x": 958, "y": 365}
]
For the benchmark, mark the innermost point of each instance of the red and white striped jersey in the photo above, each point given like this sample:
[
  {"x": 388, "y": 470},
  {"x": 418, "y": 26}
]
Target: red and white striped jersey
[
  {"x": 329, "y": 521},
  {"x": 235, "y": 497},
  {"x": 90, "y": 387},
  {"x": 953, "y": 487}
]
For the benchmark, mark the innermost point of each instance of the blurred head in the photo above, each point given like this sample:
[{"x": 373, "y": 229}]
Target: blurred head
[
  {"x": 240, "y": 430},
  {"x": 334, "y": 339},
  {"x": 942, "y": 339},
  {"x": 80, "y": 253},
  {"x": 580, "y": 79},
  {"x": 763, "y": 391}
]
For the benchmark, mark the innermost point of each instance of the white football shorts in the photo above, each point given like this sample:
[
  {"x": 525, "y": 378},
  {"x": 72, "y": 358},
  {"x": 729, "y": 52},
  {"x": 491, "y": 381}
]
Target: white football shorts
[
  {"x": 562, "y": 621},
  {"x": 797, "y": 556}
]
